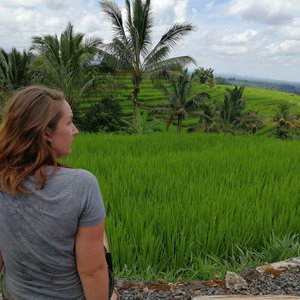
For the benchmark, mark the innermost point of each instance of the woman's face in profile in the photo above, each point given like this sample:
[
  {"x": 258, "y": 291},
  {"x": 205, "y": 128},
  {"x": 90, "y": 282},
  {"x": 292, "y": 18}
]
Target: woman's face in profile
[{"x": 62, "y": 137}]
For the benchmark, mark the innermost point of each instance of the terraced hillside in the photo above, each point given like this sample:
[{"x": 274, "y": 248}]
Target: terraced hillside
[{"x": 265, "y": 101}]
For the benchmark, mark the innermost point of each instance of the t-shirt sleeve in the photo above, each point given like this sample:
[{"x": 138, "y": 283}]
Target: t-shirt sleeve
[{"x": 91, "y": 210}]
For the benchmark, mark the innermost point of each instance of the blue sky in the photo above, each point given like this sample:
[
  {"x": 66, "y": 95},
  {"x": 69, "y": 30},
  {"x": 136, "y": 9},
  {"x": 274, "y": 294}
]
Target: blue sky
[{"x": 259, "y": 38}]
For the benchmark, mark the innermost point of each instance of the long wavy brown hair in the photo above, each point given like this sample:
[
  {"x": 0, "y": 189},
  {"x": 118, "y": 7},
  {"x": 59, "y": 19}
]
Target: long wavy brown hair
[{"x": 24, "y": 150}]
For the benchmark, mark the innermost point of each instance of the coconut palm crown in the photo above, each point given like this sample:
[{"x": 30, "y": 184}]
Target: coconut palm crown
[
  {"x": 14, "y": 69},
  {"x": 182, "y": 101},
  {"x": 131, "y": 47},
  {"x": 62, "y": 62}
]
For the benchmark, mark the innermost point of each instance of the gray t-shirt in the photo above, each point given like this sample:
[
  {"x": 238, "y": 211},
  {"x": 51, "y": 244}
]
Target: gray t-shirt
[{"x": 37, "y": 235}]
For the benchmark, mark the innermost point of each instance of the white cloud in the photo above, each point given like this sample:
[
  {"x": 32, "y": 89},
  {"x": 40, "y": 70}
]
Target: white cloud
[
  {"x": 32, "y": 4},
  {"x": 169, "y": 11},
  {"x": 227, "y": 42},
  {"x": 271, "y": 12},
  {"x": 229, "y": 50},
  {"x": 41, "y": 17},
  {"x": 239, "y": 38},
  {"x": 163, "y": 11},
  {"x": 53, "y": 21},
  {"x": 180, "y": 10},
  {"x": 209, "y": 5},
  {"x": 291, "y": 31},
  {"x": 23, "y": 16},
  {"x": 288, "y": 47},
  {"x": 160, "y": 6}
]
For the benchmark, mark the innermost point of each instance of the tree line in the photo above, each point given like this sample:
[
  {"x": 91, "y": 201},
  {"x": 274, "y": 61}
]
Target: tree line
[
  {"x": 77, "y": 64},
  {"x": 73, "y": 61}
]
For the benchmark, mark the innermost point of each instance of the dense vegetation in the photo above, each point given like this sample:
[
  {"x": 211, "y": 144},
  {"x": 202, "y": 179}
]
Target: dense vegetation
[
  {"x": 264, "y": 102},
  {"x": 190, "y": 206},
  {"x": 149, "y": 84}
]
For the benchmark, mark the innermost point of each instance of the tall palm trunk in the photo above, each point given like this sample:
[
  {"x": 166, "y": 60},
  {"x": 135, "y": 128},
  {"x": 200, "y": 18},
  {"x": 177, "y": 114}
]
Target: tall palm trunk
[
  {"x": 179, "y": 122},
  {"x": 136, "y": 91}
]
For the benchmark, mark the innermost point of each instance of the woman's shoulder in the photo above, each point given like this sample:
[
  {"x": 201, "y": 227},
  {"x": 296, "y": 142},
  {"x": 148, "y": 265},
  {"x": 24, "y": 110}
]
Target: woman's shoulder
[
  {"x": 80, "y": 181},
  {"x": 78, "y": 174}
]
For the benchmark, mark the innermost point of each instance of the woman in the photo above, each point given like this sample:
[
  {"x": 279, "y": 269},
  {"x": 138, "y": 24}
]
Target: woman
[{"x": 51, "y": 216}]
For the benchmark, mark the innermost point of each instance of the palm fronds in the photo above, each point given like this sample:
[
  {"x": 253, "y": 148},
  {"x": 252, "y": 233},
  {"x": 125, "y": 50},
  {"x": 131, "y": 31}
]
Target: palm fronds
[
  {"x": 62, "y": 61},
  {"x": 14, "y": 68}
]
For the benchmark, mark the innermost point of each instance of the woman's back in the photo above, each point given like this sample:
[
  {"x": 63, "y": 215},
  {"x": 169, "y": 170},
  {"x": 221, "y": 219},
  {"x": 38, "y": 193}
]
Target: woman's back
[{"x": 38, "y": 233}]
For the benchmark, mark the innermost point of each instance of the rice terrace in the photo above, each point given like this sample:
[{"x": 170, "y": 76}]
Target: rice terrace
[
  {"x": 198, "y": 175},
  {"x": 192, "y": 206}
]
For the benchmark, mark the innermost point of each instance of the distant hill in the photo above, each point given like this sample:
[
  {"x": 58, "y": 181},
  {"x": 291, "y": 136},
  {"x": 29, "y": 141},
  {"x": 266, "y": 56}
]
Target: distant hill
[{"x": 270, "y": 84}]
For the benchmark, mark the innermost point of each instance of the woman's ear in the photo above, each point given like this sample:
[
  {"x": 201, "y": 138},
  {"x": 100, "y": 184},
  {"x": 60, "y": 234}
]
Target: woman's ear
[{"x": 48, "y": 134}]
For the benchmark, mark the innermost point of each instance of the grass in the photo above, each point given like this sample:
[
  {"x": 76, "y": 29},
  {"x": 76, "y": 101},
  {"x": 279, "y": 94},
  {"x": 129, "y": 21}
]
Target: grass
[{"x": 191, "y": 206}]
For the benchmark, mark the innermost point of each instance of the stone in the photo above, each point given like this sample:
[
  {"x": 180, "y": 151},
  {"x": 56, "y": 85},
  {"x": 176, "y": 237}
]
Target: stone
[
  {"x": 281, "y": 265},
  {"x": 249, "y": 274},
  {"x": 235, "y": 282}
]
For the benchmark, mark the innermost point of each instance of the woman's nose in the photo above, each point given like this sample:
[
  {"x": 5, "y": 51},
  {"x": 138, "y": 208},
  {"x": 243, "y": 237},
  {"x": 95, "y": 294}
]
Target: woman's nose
[{"x": 75, "y": 130}]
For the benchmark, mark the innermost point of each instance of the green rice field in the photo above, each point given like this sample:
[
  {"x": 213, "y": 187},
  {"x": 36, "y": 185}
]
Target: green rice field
[
  {"x": 261, "y": 100},
  {"x": 185, "y": 206}
]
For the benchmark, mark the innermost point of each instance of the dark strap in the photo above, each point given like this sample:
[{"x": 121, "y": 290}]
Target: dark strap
[{"x": 111, "y": 279}]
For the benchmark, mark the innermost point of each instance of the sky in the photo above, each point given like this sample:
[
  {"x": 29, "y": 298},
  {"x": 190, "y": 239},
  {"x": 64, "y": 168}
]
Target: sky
[{"x": 259, "y": 38}]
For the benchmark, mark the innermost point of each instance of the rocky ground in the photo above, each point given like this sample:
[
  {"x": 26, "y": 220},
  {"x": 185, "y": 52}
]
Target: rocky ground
[{"x": 281, "y": 278}]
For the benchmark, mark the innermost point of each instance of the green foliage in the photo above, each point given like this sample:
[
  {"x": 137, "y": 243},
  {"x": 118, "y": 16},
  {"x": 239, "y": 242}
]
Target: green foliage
[
  {"x": 103, "y": 116},
  {"x": 257, "y": 100},
  {"x": 178, "y": 91},
  {"x": 63, "y": 62},
  {"x": 104, "y": 84},
  {"x": 221, "y": 80},
  {"x": 142, "y": 124},
  {"x": 250, "y": 121},
  {"x": 229, "y": 115},
  {"x": 233, "y": 105},
  {"x": 287, "y": 125},
  {"x": 280, "y": 247},
  {"x": 14, "y": 69},
  {"x": 3, "y": 97},
  {"x": 211, "y": 82},
  {"x": 205, "y": 75},
  {"x": 192, "y": 206}
]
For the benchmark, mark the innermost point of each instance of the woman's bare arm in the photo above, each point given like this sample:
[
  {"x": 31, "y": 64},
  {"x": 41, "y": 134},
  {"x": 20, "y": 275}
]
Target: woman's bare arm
[{"x": 91, "y": 262}]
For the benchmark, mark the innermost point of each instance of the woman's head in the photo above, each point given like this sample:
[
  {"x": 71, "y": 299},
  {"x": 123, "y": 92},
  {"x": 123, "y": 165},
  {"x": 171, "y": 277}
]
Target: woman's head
[{"x": 33, "y": 134}]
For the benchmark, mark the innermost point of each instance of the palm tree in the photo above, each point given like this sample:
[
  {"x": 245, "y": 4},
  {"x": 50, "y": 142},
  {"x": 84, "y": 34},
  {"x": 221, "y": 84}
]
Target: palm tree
[
  {"x": 207, "y": 118},
  {"x": 178, "y": 92},
  {"x": 231, "y": 110},
  {"x": 130, "y": 49},
  {"x": 250, "y": 121},
  {"x": 232, "y": 118},
  {"x": 286, "y": 122},
  {"x": 14, "y": 69},
  {"x": 62, "y": 62}
]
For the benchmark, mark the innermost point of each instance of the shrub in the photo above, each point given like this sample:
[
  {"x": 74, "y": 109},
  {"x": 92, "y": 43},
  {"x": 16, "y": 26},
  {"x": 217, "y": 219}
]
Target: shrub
[{"x": 103, "y": 116}]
